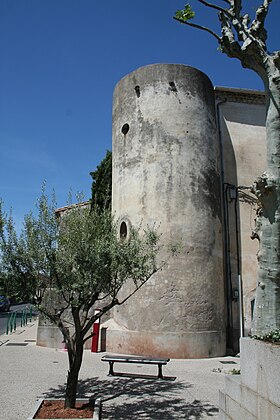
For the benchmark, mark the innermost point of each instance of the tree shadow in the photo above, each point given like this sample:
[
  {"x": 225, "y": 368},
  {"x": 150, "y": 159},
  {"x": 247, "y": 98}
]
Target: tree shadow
[{"x": 138, "y": 398}]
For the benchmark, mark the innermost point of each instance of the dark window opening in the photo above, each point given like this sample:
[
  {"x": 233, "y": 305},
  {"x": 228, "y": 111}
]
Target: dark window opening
[
  {"x": 125, "y": 129},
  {"x": 252, "y": 308},
  {"x": 172, "y": 87},
  {"x": 137, "y": 90},
  {"x": 123, "y": 230}
]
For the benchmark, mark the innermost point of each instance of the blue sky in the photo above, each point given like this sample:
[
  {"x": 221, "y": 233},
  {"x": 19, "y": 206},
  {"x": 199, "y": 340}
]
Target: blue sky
[{"x": 60, "y": 61}]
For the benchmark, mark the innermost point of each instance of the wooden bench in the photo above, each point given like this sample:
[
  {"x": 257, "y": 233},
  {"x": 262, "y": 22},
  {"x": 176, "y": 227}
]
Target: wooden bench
[{"x": 134, "y": 359}]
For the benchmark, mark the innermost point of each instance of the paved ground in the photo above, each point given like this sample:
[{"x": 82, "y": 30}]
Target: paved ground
[{"x": 29, "y": 372}]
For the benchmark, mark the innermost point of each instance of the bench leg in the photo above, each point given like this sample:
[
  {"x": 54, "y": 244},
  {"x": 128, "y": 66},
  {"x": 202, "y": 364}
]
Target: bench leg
[
  {"x": 111, "y": 369},
  {"x": 160, "y": 371}
]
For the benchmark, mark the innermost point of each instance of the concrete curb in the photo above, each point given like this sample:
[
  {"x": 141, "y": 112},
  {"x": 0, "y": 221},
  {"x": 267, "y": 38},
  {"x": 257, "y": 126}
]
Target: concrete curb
[
  {"x": 97, "y": 409},
  {"x": 36, "y": 407}
]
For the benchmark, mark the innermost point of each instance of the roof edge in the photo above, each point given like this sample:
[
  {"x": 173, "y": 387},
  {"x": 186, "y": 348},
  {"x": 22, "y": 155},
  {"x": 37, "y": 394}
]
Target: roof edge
[{"x": 240, "y": 95}]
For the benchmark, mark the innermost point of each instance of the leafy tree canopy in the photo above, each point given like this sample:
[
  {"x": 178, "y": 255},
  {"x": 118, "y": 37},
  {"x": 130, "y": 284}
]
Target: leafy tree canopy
[
  {"x": 72, "y": 261},
  {"x": 101, "y": 188}
]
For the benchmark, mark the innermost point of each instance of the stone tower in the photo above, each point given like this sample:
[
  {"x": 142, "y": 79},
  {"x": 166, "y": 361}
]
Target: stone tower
[{"x": 166, "y": 171}]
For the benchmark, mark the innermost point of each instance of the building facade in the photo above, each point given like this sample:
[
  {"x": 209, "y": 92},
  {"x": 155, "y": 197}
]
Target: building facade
[{"x": 184, "y": 157}]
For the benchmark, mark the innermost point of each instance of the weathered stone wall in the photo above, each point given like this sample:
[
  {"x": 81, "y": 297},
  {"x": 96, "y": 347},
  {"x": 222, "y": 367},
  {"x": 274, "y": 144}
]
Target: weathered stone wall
[
  {"x": 255, "y": 393},
  {"x": 241, "y": 116},
  {"x": 166, "y": 170},
  {"x": 169, "y": 161}
]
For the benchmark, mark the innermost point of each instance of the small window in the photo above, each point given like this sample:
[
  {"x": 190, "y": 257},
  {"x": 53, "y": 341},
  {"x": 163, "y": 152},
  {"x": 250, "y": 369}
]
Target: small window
[
  {"x": 172, "y": 87},
  {"x": 123, "y": 230},
  {"x": 137, "y": 90},
  {"x": 252, "y": 308},
  {"x": 125, "y": 129}
]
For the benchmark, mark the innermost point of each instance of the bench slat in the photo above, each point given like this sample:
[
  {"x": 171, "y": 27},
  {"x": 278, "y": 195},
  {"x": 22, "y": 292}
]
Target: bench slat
[{"x": 133, "y": 359}]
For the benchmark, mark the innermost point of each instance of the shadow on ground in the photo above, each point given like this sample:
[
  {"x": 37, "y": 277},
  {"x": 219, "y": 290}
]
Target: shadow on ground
[{"x": 131, "y": 398}]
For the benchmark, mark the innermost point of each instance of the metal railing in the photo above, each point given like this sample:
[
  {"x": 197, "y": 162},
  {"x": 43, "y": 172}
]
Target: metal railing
[{"x": 24, "y": 315}]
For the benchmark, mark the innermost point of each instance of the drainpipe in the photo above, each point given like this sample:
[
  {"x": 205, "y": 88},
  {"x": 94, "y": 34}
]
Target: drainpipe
[
  {"x": 226, "y": 250},
  {"x": 240, "y": 287}
]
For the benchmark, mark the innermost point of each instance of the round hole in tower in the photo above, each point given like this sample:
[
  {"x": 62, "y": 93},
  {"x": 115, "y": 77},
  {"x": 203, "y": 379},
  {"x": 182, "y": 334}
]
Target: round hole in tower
[
  {"x": 125, "y": 129},
  {"x": 123, "y": 230}
]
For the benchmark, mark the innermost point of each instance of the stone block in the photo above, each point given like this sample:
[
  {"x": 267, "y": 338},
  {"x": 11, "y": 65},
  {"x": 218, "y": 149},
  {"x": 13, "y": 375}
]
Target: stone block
[
  {"x": 260, "y": 368},
  {"x": 255, "y": 394},
  {"x": 222, "y": 415},
  {"x": 275, "y": 412},
  {"x": 236, "y": 412},
  {"x": 49, "y": 336},
  {"x": 249, "y": 400},
  {"x": 233, "y": 387},
  {"x": 222, "y": 401},
  {"x": 267, "y": 411}
]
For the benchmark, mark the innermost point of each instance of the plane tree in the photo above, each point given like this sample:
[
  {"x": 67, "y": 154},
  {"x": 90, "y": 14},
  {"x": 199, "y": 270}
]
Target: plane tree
[{"x": 244, "y": 37}]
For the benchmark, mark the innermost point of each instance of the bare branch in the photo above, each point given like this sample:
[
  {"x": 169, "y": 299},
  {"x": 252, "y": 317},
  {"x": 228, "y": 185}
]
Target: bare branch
[
  {"x": 236, "y": 6},
  {"x": 215, "y": 7},
  {"x": 246, "y": 20},
  {"x": 228, "y": 38},
  {"x": 95, "y": 317},
  {"x": 239, "y": 23},
  {"x": 156, "y": 270},
  {"x": 257, "y": 27},
  {"x": 104, "y": 297},
  {"x": 203, "y": 28}
]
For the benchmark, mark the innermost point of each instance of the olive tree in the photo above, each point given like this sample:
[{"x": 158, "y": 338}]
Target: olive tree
[
  {"x": 79, "y": 259},
  {"x": 245, "y": 38}
]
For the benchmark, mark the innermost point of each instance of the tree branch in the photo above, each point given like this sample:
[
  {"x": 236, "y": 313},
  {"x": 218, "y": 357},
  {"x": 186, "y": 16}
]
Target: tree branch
[
  {"x": 156, "y": 270},
  {"x": 215, "y": 7},
  {"x": 203, "y": 28},
  {"x": 228, "y": 42},
  {"x": 77, "y": 322},
  {"x": 95, "y": 317},
  {"x": 257, "y": 27},
  {"x": 236, "y": 6}
]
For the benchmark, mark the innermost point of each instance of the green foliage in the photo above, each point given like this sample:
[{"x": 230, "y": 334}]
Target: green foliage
[
  {"x": 91, "y": 260},
  {"x": 101, "y": 188},
  {"x": 186, "y": 14},
  {"x": 234, "y": 371},
  {"x": 72, "y": 261},
  {"x": 272, "y": 336},
  {"x": 79, "y": 253},
  {"x": 227, "y": 372},
  {"x": 14, "y": 281}
]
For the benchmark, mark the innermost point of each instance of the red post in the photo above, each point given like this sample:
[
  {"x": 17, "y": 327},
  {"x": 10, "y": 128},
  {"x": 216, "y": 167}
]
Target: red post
[{"x": 96, "y": 326}]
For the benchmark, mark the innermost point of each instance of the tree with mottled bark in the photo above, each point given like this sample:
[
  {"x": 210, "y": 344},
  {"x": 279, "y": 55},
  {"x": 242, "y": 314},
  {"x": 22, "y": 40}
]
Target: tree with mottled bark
[
  {"x": 74, "y": 264},
  {"x": 246, "y": 39}
]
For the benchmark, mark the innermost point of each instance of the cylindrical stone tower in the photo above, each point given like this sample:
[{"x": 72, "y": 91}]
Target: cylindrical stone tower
[{"x": 166, "y": 171}]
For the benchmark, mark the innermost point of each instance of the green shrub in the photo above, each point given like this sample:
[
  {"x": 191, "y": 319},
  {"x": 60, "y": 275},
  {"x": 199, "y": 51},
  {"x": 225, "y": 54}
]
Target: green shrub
[{"x": 272, "y": 336}]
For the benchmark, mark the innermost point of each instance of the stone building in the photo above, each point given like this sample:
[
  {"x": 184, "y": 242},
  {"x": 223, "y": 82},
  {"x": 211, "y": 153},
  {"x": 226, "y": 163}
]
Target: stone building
[{"x": 184, "y": 156}]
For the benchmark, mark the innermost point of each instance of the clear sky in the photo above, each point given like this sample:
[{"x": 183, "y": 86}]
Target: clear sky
[{"x": 60, "y": 62}]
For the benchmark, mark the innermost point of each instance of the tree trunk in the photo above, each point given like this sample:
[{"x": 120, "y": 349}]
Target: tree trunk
[
  {"x": 75, "y": 356},
  {"x": 267, "y": 305}
]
